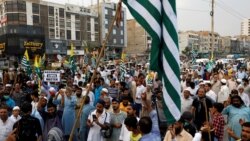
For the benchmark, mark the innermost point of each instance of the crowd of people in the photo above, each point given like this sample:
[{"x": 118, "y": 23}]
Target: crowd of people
[{"x": 214, "y": 106}]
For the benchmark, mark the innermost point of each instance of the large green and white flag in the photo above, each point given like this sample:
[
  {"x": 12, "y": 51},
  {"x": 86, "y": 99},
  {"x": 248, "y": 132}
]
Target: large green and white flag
[{"x": 159, "y": 19}]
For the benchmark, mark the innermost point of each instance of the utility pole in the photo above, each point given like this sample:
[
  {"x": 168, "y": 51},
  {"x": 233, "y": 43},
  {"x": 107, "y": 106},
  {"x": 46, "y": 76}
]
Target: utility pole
[{"x": 212, "y": 30}]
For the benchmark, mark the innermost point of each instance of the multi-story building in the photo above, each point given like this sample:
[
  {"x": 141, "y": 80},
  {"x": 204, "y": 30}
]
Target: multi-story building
[
  {"x": 226, "y": 44},
  {"x": 245, "y": 27},
  {"x": 41, "y": 26},
  {"x": 188, "y": 39},
  {"x": 206, "y": 41},
  {"x": 139, "y": 41},
  {"x": 118, "y": 36}
]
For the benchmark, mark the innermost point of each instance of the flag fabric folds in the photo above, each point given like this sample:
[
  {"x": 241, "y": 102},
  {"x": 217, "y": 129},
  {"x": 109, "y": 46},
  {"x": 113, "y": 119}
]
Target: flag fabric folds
[
  {"x": 123, "y": 71},
  {"x": 72, "y": 61},
  {"x": 37, "y": 67},
  {"x": 26, "y": 64},
  {"x": 159, "y": 19}
]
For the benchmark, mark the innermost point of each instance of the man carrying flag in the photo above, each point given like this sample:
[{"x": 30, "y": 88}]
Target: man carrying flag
[
  {"x": 159, "y": 19},
  {"x": 26, "y": 64}
]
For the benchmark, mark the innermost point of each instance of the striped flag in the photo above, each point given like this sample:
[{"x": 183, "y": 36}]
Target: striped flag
[
  {"x": 159, "y": 19},
  {"x": 122, "y": 71},
  {"x": 25, "y": 63}
]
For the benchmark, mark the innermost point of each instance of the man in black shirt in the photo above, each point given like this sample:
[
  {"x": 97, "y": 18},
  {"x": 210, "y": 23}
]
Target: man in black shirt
[{"x": 28, "y": 128}]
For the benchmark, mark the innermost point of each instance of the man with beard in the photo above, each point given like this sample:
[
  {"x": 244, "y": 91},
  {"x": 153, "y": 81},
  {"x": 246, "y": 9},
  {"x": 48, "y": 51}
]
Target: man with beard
[
  {"x": 52, "y": 118},
  {"x": 176, "y": 132},
  {"x": 125, "y": 134},
  {"x": 97, "y": 120},
  {"x": 78, "y": 104},
  {"x": 200, "y": 110},
  {"x": 117, "y": 118},
  {"x": 236, "y": 111}
]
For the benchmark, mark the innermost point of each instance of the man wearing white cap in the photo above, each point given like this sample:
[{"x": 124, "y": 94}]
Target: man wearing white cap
[
  {"x": 224, "y": 92},
  {"x": 243, "y": 95},
  {"x": 186, "y": 101},
  {"x": 15, "y": 114}
]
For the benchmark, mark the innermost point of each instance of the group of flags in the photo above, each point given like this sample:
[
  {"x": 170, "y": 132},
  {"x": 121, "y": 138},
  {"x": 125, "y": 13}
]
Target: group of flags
[{"x": 38, "y": 62}]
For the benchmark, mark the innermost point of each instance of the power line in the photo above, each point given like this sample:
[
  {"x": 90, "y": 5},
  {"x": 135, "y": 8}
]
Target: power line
[
  {"x": 230, "y": 8},
  {"x": 194, "y": 10},
  {"x": 230, "y": 12}
]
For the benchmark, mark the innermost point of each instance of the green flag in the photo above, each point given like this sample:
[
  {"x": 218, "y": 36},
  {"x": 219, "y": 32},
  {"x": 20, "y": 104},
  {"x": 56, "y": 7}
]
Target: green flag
[
  {"x": 72, "y": 61},
  {"x": 26, "y": 63},
  {"x": 159, "y": 19}
]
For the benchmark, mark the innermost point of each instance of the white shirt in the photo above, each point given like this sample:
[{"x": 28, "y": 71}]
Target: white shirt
[
  {"x": 94, "y": 132},
  {"x": 139, "y": 90},
  {"x": 245, "y": 99},
  {"x": 14, "y": 118},
  {"x": 5, "y": 128},
  {"x": 212, "y": 95},
  {"x": 125, "y": 134},
  {"x": 223, "y": 94},
  {"x": 186, "y": 104}
]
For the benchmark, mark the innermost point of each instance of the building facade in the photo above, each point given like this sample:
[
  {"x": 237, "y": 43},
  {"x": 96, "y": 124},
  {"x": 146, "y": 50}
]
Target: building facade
[
  {"x": 41, "y": 26},
  {"x": 139, "y": 41},
  {"x": 245, "y": 27},
  {"x": 188, "y": 39},
  {"x": 118, "y": 37}
]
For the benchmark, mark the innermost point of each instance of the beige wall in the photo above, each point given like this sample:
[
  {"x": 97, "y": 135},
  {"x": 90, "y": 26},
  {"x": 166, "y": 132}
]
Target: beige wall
[{"x": 137, "y": 43}]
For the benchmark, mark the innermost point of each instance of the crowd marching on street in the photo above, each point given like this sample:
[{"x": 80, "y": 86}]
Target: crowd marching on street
[{"x": 125, "y": 106}]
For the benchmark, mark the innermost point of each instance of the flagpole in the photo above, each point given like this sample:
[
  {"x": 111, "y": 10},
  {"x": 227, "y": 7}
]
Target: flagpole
[
  {"x": 97, "y": 65},
  {"x": 212, "y": 31}
]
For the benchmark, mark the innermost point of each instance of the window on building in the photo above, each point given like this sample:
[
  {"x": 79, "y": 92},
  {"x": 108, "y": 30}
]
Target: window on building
[
  {"x": 52, "y": 33},
  {"x": 114, "y": 41},
  {"x": 114, "y": 31},
  {"x": 113, "y": 13},
  {"x": 35, "y": 8},
  {"x": 68, "y": 24},
  {"x": 22, "y": 17},
  {"x": 77, "y": 25},
  {"x": 77, "y": 17},
  {"x": 121, "y": 41},
  {"x": 21, "y": 6},
  {"x": 106, "y": 21},
  {"x": 62, "y": 34},
  {"x": 88, "y": 26},
  {"x": 96, "y": 27},
  {"x": 51, "y": 22},
  {"x": 106, "y": 11},
  {"x": 121, "y": 23},
  {"x": 9, "y": 6},
  {"x": 62, "y": 23},
  {"x": 69, "y": 34},
  {"x": 121, "y": 32},
  {"x": 36, "y": 20},
  {"x": 51, "y": 11},
  {"x": 78, "y": 35},
  {"x": 61, "y": 12},
  {"x": 68, "y": 16},
  {"x": 106, "y": 30}
]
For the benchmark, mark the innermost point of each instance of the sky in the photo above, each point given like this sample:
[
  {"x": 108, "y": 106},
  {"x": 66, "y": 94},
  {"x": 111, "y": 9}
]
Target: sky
[{"x": 195, "y": 14}]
